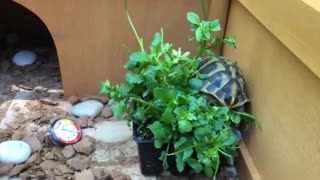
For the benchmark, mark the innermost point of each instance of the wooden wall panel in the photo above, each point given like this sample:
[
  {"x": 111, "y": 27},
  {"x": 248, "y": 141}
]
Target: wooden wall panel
[
  {"x": 285, "y": 97},
  {"x": 295, "y": 23},
  {"x": 89, "y": 35}
]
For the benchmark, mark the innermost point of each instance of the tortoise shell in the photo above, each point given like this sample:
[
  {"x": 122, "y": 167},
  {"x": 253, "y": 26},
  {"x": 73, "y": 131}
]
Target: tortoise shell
[{"x": 225, "y": 81}]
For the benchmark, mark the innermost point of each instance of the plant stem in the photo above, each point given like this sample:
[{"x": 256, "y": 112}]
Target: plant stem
[
  {"x": 132, "y": 26},
  {"x": 202, "y": 48},
  {"x": 217, "y": 167},
  {"x": 224, "y": 153},
  {"x": 145, "y": 102},
  {"x": 204, "y": 10},
  {"x": 184, "y": 149}
]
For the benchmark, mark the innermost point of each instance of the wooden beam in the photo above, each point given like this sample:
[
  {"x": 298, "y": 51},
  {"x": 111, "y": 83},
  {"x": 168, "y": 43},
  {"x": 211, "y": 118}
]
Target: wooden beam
[{"x": 246, "y": 168}]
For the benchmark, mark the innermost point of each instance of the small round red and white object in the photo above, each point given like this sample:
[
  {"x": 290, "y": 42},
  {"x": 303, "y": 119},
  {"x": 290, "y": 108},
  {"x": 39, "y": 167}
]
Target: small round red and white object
[{"x": 65, "y": 131}]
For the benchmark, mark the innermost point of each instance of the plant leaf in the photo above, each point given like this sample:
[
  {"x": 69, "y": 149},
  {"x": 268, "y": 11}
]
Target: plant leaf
[
  {"x": 164, "y": 95},
  {"x": 223, "y": 110},
  {"x": 134, "y": 78},
  {"x": 215, "y": 25},
  {"x": 135, "y": 58},
  {"x": 163, "y": 158},
  {"x": 104, "y": 87},
  {"x": 118, "y": 109},
  {"x": 201, "y": 132},
  {"x": 187, "y": 154},
  {"x": 161, "y": 132},
  {"x": 208, "y": 171},
  {"x": 184, "y": 126},
  {"x": 180, "y": 142},
  {"x": 180, "y": 163},
  {"x": 167, "y": 117},
  {"x": 157, "y": 39},
  {"x": 193, "y": 18},
  {"x": 195, "y": 84},
  {"x": 198, "y": 34},
  {"x": 235, "y": 118},
  {"x": 195, "y": 165},
  {"x": 231, "y": 41},
  {"x": 139, "y": 114}
]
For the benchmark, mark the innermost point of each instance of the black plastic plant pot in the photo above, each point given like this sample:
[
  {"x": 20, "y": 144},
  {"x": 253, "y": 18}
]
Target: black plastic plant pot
[{"x": 148, "y": 155}]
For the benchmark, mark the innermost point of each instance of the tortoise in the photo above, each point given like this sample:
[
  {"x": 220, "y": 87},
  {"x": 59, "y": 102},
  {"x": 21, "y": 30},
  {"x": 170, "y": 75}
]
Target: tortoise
[{"x": 225, "y": 81}]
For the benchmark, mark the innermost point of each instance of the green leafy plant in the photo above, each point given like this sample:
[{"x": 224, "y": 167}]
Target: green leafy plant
[{"x": 161, "y": 96}]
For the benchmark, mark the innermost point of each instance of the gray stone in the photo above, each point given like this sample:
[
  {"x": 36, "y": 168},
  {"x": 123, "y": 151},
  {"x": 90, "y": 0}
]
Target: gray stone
[
  {"x": 107, "y": 112},
  {"x": 110, "y": 131},
  {"x": 77, "y": 163},
  {"x": 87, "y": 108},
  {"x": 24, "y": 95},
  {"x": 85, "y": 146},
  {"x": 68, "y": 152},
  {"x": 23, "y": 58},
  {"x": 14, "y": 152},
  {"x": 34, "y": 142},
  {"x": 84, "y": 175}
]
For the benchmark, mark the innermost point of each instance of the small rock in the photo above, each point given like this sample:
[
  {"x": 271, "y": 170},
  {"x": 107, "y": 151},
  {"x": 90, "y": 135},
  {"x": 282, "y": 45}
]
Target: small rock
[
  {"x": 17, "y": 72},
  {"x": 48, "y": 102},
  {"x": 102, "y": 99},
  {"x": 85, "y": 145},
  {"x": 98, "y": 173},
  {"x": 99, "y": 119},
  {"x": 5, "y": 66},
  {"x": 24, "y": 95},
  {"x": 73, "y": 100},
  {"x": 14, "y": 152},
  {"x": 57, "y": 152},
  {"x": 87, "y": 108},
  {"x": 30, "y": 68},
  {"x": 48, "y": 166},
  {"x": 107, "y": 112},
  {"x": 5, "y": 168},
  {"x": 16, "y": 108},
  {"x": 116, "y": 175},
  {"x": 34, "y": 142},
  {"x": 50, "y": 156},
  {"x": 84, "y": 175},
  {"x": 77, "y": 163},
  {"x": 17, "y": 169},
  {"x": 83, "y": 121},
  {"x": 25, "y": 87},
  {"x": 24, "y": 58},
  {"x": 68, "y": 152},
  {"x": 62, "y": 169},
  {"x": 40, "y": 89},
  {"x": 48, "y": 141},
  {"x": 35, "y": 116},
  {"x": 14, "y": 88},
  {"x": 90, "y": 122},
  {"x": 17, "y": 135},
  {"x": 34, "y": 159},
  {"x": 56, "y": 95}
]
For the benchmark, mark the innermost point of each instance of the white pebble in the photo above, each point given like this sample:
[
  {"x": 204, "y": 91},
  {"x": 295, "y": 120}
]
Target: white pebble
[
  {"x": 25, "y": 57},
  {"x": 14, "y": 152},
  {"x": 87, "y": 108}
]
